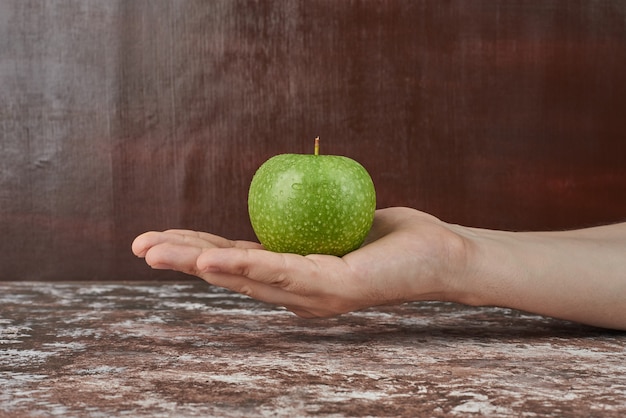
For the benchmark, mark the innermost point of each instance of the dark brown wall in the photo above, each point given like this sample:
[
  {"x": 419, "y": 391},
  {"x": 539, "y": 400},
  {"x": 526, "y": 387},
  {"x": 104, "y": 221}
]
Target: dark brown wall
[{"x": 118, "y": 117}]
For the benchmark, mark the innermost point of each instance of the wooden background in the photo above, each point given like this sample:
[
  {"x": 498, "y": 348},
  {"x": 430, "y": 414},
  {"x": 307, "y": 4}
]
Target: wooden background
[{"x": 118, "y": 117}]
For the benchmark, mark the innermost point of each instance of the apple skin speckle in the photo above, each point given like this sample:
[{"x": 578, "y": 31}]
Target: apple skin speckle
[{"x": 311, "y": 204}]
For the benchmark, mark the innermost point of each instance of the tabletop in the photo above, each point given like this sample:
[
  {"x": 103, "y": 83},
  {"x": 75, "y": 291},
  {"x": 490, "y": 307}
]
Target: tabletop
[{"x": 187, "y": 349}]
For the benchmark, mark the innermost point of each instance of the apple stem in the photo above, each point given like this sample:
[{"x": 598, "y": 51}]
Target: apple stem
[{"x": 317, "y": 146}]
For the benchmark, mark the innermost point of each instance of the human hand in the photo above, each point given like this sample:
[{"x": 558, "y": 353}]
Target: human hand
[{"x": 408, "y": 255}]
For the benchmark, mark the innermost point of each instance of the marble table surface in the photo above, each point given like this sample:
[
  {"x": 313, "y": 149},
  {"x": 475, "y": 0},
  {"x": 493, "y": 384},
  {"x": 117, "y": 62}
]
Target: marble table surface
[{"x": 186, "y": 349}]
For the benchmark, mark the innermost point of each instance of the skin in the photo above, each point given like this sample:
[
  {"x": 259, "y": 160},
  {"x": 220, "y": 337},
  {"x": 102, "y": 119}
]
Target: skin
[{"x": 577, "y": 275}]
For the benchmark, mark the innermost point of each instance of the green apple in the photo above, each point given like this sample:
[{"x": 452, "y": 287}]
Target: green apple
[{"x": 311, "y": 204}]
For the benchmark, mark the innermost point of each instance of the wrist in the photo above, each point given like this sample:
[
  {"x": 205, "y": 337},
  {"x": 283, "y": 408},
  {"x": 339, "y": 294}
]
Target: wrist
[
  {"x": 487, "y": 259},
  {"x": 575, "y": 275}
]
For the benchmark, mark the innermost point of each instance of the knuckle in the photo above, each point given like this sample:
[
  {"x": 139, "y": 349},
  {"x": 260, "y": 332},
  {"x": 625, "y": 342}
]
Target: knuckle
[
  {"x": 246, "y": 290},
  {"x": 283, "y": 281}
]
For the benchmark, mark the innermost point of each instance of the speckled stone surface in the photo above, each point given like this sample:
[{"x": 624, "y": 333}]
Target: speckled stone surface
[{"x": 187, "y": 349}]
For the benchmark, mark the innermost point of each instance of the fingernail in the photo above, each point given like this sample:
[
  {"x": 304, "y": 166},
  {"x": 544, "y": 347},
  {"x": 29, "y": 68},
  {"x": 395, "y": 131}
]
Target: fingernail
[{"x": 161, "y": 267}]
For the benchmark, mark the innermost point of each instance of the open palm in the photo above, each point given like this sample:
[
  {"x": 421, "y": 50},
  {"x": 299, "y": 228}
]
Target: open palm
[{"x": 407, "y": 256}]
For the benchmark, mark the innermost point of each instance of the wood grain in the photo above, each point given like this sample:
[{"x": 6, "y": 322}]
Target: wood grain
[{"x": 119, "y": 117}]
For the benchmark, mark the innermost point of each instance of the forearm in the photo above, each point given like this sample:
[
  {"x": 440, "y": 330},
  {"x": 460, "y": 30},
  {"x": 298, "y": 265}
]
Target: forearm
[{"x": 576, "y": 275}]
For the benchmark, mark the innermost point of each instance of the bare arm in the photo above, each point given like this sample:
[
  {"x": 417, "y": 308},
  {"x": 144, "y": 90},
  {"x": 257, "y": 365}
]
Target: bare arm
[
  {"x": 578, "y": 275},
  {"x": 410, "y": 256}
]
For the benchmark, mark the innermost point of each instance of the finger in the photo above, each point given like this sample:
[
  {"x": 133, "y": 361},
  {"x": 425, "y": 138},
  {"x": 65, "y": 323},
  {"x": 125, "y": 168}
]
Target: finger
[
  {"x": 184, "y": 259},
  {"x": 303, "y": 313},
  {"x": 256, "y": 290},
  {"x": 303, "y": 306},
  {"x": 216, "y": 240},
  {"x": 145, "y": 241},
  {"x": 142, "y": 243},
  {"x": 308, "y": 286},
  {"x": 174, "y": 257},
  {"x": 291, "y": 272}
]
